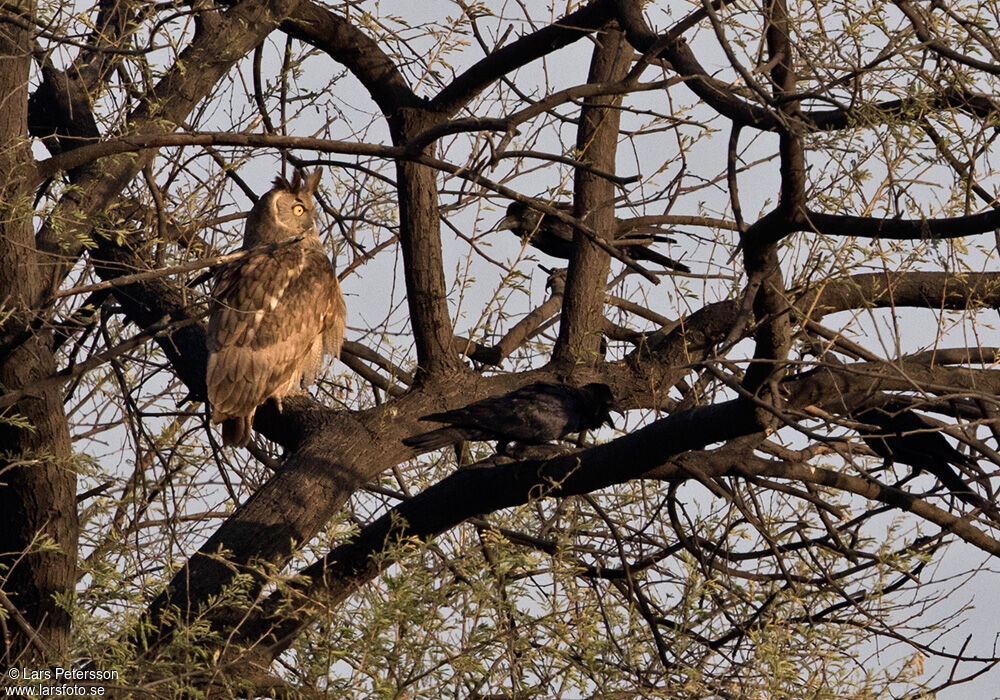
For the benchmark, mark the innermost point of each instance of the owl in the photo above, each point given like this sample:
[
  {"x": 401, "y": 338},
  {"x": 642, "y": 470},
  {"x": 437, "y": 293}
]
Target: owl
[{"x": 274, "y": 314}]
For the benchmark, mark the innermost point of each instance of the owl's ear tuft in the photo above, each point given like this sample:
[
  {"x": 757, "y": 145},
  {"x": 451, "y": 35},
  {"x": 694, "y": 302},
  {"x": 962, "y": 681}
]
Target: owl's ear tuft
[
  {"x": 280, "y": 183},
  {"x": 312, "y": 181},
  {"x": 303, "y": 182}
]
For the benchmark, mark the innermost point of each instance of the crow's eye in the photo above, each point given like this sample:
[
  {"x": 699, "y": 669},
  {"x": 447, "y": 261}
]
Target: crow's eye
[{"x": 298, "y": 210}]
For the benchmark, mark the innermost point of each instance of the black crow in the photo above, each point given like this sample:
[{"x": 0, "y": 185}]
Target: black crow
[
  {"x": 534, "y": 414},
  {"x": 60, "y": 112},
  {"x": 554, "y": 237},
  {"x": 909, "y": 438}
]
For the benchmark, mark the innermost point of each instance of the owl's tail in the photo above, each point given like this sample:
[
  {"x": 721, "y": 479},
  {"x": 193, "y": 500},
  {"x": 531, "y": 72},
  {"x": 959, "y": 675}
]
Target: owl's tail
[{"x": 236, "y": 431}]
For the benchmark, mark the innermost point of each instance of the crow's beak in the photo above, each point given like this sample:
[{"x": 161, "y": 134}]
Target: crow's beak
[
  {"x": 508, "y": 223},
  {"x": 607, "y": 419}
]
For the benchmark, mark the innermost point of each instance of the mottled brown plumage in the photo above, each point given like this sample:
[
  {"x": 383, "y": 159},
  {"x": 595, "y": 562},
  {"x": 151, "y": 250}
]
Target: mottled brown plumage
[{"x": 274, "y": 314}]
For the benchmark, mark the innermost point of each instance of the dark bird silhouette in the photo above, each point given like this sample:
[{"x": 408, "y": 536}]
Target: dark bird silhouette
[
  {"x": 554, "y": 237},
  {"x": 909, "y": 438},
  {"x": 534, "y": 414},
  {"x": 60, "y": 111}
]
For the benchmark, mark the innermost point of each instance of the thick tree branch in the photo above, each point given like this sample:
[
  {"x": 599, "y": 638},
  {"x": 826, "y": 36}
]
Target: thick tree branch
[
  {"x": 476, "y": 490},
  {"x": 423, "y": 266},
  {"x": 901, "y": 229},
  {"x": 38, "y": 542},
  {"x": 574, "y": 26},
  {"x": 717, "y": 94},
  {"x": 487, "y": 489},
  {"x": 721, "y": 96},
  {"x": 772, "y": 335},
  {"x": 362, "y": 55},
  {"x": 582, "y": 317},
  {"x": 668, "y": 355}
]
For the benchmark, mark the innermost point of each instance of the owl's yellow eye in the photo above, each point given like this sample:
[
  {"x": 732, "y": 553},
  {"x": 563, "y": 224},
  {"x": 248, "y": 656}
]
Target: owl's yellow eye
[{"x": 298, "y": 210}]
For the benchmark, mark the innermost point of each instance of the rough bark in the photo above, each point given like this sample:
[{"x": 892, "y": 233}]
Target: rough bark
[
  {"x": 579, "y": 339},
  {"x": 37, "y": 474},
  {"x": 420, "y": 241}
]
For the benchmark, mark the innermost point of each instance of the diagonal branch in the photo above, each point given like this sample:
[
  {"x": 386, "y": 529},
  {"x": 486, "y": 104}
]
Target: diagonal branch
[
  {"x": 476, "y": 490},
  {"x": 220, "y": 40}
]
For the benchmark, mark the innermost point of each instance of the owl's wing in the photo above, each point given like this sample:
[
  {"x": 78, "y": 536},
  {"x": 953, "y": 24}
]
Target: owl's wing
[
  {"x": 315, "y": 316},
  {"x": 265, "y": 328},
  {"x": 335, "y": 317}
]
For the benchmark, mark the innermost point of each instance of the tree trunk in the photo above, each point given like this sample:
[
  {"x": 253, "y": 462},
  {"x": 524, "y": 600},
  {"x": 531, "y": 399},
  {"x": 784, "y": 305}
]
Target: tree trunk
[
  {"x": 597, "y": 143},
  {"x": 37, "y": 478}
]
